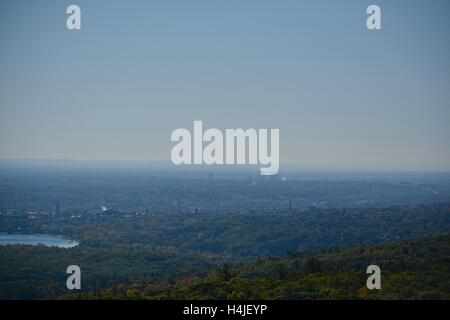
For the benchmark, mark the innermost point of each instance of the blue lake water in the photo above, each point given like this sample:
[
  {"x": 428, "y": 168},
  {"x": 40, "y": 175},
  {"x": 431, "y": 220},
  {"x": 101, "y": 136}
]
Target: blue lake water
[{"x": 37, "y": 239}]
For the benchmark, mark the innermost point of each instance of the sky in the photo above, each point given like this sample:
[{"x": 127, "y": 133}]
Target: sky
[{"x": 340, "y": 94}]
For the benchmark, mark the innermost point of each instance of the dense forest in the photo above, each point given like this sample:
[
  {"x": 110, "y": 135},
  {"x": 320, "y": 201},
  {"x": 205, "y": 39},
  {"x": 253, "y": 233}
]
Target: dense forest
[
  {"x": 240, "y": 237},
  {"x": 411, "y": 269}
]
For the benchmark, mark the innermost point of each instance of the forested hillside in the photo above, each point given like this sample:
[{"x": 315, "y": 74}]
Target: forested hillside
[
  {"x": 412, "y": 269},
  {"x": 305, "y": 255}
]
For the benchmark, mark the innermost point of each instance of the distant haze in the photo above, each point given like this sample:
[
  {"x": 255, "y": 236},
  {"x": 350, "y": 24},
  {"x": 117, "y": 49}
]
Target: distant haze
[{"x": 341, "y": 95}]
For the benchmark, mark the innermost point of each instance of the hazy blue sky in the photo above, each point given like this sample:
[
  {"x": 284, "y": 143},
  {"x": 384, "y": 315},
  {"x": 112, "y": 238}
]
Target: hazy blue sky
[{"x": 340, "y": 94}]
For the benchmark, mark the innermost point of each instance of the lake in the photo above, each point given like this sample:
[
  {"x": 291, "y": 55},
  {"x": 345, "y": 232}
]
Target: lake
[{"x": 37, "y": 239}]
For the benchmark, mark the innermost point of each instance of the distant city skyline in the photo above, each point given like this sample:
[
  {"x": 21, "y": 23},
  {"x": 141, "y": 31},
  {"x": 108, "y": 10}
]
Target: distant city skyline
[{"x": 341, "y": 95}]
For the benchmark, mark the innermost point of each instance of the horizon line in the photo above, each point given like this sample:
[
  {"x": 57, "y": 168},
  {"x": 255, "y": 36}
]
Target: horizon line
[{"x": 305, "y": 166}]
